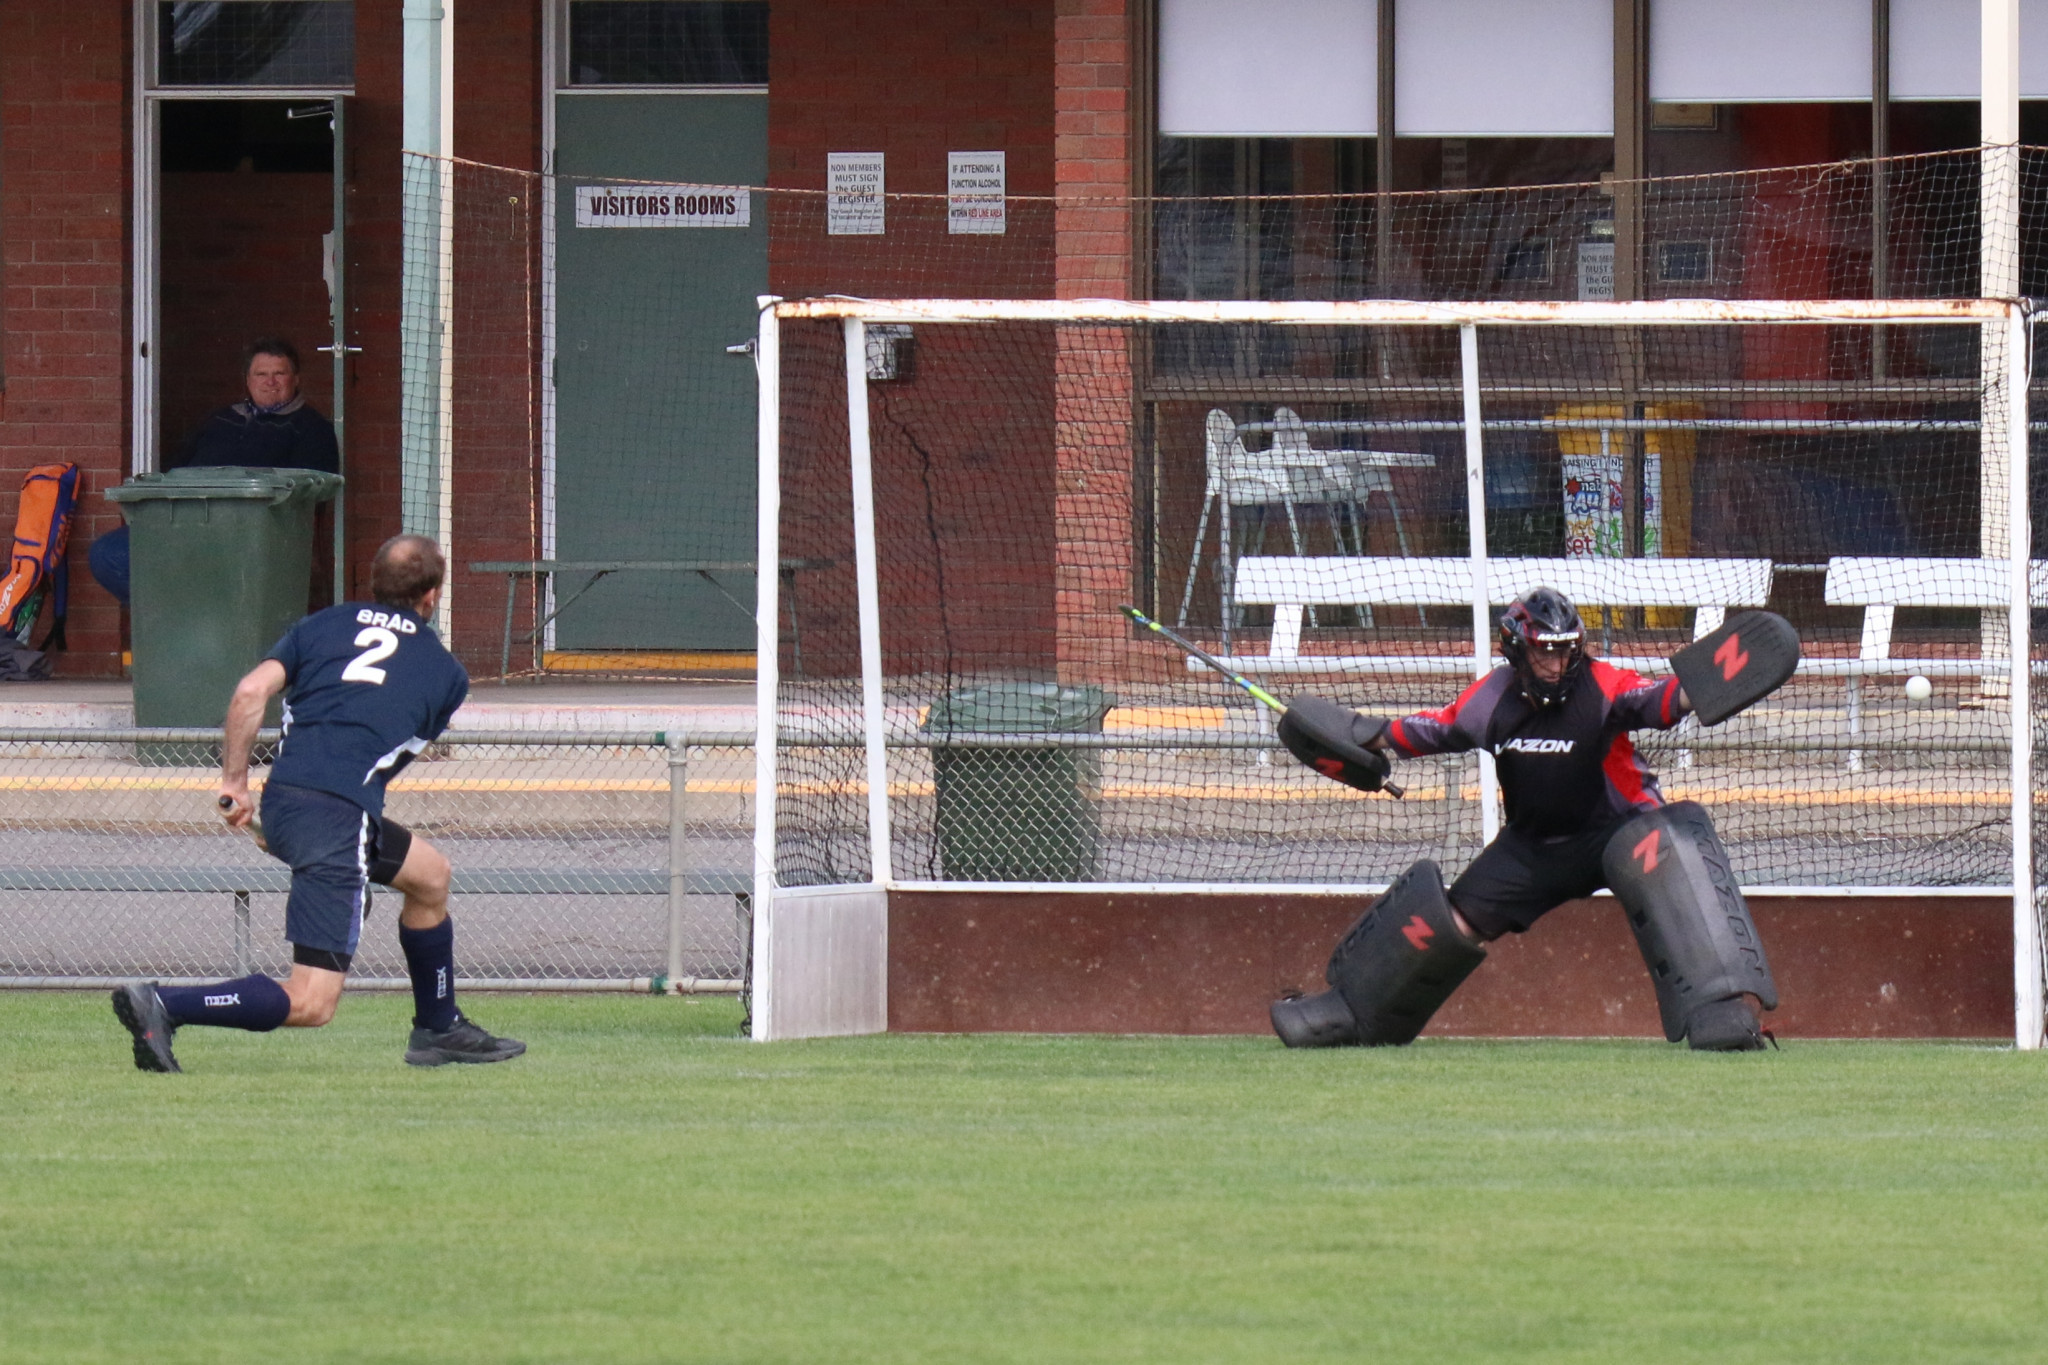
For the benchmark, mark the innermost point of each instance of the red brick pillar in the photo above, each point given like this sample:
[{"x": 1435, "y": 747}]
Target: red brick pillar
[
  {"x": 63, "y": 230},
  {"x": 1093, "y": 396}
]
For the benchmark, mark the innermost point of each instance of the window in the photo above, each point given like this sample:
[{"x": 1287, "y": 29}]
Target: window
[
  {"x": 1685, "y": 262},
  {"x": 1527, "y": 262},
  {"x": 272, "y": 43},
  {"x": 668, "y": 42}
]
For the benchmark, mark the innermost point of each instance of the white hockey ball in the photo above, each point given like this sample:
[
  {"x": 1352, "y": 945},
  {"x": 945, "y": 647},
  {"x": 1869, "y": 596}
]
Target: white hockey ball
[{"x": 1918, "y": 688}]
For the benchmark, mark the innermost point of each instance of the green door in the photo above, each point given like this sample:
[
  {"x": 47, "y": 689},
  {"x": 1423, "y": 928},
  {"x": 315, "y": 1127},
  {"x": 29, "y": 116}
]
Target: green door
[{"x": 654, "y": 421}]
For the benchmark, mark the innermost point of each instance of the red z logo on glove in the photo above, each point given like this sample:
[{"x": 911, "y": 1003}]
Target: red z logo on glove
[
  {"x": 1418, "y": 933},
  {"x": 1330, "y": 767},
  {"x": 1732, "y": 657},
  {"x": 1646, "y": 851}
]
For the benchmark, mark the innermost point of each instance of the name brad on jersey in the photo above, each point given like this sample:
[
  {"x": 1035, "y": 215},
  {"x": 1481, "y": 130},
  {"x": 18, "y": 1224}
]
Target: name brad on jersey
[
  {"x": 1521, "y": 744},
  {"x": 369, "y": 616}
]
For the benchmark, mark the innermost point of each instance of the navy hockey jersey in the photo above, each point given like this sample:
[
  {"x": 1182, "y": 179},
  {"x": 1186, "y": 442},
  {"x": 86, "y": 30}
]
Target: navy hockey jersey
[{"x": 366, "y": 689}]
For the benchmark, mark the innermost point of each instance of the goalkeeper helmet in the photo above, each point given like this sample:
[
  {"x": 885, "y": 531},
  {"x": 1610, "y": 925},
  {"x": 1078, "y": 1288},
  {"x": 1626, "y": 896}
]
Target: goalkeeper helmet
[{"x": 1543, "y": 620}]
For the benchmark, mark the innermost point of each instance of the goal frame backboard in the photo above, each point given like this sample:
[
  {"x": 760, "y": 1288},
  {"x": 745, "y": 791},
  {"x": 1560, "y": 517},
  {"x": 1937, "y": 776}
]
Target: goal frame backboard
[{"x": 826, "y": 973}]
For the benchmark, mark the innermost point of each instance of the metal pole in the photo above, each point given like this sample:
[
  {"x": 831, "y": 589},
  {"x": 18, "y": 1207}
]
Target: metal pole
[
  {"x": 767, "y": 643},
  {"x": 867, "y": 588},
  {"x": 678, "y": 852},
  {"x": 338, "y": 304},
  {"x": 551, "y": 79},
  {"x": 1475, "y": 521},
  {"x": 2026, "y": 923},
  {"x": 242, "y": 967},
  {"x": 1998, "y": 208},
  {"x": 1383, "y": 167},
  {"x": 1880, "y": 177}
]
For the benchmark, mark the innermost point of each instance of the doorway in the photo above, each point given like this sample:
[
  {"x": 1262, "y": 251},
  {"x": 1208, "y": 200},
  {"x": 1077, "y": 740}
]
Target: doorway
[
  {"x": 245, "y": 234},
  {"x": 248, "y": 228}
]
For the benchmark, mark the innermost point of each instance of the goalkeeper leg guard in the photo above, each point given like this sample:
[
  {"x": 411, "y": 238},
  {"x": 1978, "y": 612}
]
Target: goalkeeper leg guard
[
  {"x": 1391, "y": 972},
  {"x": 1673, "y": 878}
]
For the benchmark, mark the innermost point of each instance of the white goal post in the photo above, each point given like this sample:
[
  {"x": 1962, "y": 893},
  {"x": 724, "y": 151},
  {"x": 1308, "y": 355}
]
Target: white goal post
[{"x": 820, "y": 930}]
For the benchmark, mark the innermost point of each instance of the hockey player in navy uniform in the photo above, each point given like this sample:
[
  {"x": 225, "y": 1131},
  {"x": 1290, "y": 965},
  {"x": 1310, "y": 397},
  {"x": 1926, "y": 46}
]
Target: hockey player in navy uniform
[
  {"x": 367, "y": 686},
  {"x": 1583, "y": 812}
]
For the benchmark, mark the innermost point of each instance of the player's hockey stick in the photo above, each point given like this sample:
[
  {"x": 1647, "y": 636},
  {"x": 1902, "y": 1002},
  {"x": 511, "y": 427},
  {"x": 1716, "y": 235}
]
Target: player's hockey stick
[
  {"x": 254, "y": 827},
  {"x": 1258, "y": 693}
]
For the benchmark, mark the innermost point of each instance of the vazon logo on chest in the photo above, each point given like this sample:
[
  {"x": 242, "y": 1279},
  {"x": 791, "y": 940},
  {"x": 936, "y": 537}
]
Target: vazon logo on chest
[{"x": 1521, "y": 744}]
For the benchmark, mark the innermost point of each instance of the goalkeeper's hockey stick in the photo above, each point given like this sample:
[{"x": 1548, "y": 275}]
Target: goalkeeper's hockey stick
[{"x": 1258, "y": 693}]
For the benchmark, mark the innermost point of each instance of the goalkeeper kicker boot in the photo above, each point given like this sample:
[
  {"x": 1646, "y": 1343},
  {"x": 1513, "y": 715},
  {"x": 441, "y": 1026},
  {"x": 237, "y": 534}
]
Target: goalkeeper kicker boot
[
  {"x": 141, "y": 1011},
  {"x": 463, "y": 1041},
  {"x": 1724, "y": 1026}
]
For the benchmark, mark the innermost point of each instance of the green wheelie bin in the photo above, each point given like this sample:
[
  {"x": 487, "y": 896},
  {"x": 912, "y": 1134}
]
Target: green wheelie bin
[
  {"x": 220, "y": 565},
  {"x": 1017, "y": 814}
]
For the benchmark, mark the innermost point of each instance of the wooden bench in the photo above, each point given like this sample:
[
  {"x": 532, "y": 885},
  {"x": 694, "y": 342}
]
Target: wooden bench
[{"x": 1292, "y": 585}]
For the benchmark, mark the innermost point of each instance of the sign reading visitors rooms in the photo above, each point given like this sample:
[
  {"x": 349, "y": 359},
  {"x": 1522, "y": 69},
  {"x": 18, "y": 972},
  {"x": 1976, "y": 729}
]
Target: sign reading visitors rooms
[{"x": 623, "y": 206}]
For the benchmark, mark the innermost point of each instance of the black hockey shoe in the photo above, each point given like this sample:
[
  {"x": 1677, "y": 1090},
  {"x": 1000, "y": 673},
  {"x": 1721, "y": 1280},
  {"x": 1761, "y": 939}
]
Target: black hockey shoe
[
  {"x": 465, "y": 1042},
  {"x": 141, "y": 1011},
  {"x": 1724, "y": 1026},
  {"x": 1314, "y": 1021}
]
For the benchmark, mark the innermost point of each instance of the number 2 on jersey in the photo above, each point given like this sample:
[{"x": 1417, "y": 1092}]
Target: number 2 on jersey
[{"x": 363, "y": 668}]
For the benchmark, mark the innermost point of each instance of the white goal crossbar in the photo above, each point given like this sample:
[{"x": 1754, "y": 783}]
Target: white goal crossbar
[{"x": 816, "y": 972}]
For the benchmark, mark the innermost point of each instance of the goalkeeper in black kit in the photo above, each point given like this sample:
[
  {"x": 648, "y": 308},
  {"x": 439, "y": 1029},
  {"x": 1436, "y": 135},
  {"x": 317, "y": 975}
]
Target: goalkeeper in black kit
[{"x": 1583, "y": 812}]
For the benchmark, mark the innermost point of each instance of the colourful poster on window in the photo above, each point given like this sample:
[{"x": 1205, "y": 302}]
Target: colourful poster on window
[{"x": 1595, "y": 523}]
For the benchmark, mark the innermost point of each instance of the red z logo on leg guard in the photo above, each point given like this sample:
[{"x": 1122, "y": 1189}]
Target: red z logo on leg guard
[
  {"x": 1418, "y": 933},
  {"x": 1732, "y": 657},
  {"x": 1645, "y": 852}
]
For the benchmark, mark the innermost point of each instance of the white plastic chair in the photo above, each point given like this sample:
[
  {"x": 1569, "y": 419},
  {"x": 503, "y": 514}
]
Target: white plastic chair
[{"x": 1289, "y": 472}]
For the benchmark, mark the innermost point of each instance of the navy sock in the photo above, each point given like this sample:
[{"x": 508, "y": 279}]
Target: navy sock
[
  {"x": 255, "y": 1003},
  {"x": 430, "y": 960}
]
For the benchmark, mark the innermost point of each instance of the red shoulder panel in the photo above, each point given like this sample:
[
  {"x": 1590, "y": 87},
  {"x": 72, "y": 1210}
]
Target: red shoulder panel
[{"x": 1615, "y": 681}]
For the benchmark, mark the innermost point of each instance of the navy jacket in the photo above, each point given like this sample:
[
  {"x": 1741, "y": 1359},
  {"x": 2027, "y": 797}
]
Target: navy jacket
[{"x": 295, "y": 437}]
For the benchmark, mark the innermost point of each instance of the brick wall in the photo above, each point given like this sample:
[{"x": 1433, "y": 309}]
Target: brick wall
[
  {"x": 497, "y": 261},
  {"x": 915, "y": 82},
  {"x": 963, "y": 451},
  {"x": 63, "y": 217},
  {"x": 912, "y": 80},
  {"x": 1092, "y": 147},
  {"x": 1092, "y": 79}
]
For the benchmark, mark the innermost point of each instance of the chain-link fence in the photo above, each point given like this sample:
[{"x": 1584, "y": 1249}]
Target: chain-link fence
[{"x": 580, "y": 861}]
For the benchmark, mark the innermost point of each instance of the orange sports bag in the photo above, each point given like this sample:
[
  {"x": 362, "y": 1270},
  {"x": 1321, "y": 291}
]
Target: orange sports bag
[{"x": 42, "y": 530}]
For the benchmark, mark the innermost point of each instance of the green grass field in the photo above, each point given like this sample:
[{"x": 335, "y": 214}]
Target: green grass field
[{"x": 644, "y": 1186}]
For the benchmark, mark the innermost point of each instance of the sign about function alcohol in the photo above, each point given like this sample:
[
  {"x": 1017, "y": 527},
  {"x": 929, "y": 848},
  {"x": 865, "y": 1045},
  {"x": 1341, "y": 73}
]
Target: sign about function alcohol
[
  {"x": 853, "y": 194},
  {"x": 975, "y": 186},
  {"x": 662, "y": 206}
]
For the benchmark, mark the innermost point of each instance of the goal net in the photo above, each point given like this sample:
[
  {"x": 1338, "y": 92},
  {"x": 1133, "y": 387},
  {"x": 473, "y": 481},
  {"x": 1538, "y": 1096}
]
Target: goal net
[{"x": 1338, "y": 499}]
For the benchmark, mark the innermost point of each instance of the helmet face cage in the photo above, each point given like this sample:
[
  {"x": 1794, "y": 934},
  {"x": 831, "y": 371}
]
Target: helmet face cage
[{"x": 1543, "y": 617}]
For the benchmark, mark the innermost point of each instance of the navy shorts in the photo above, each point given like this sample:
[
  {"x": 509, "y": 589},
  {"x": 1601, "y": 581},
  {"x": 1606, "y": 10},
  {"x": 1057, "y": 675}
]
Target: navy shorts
[
  {"x": 335, "y": 849},
  {"x": 1519, "y": 878}
]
